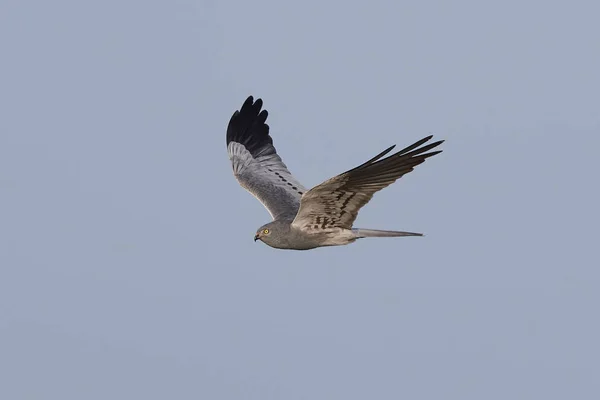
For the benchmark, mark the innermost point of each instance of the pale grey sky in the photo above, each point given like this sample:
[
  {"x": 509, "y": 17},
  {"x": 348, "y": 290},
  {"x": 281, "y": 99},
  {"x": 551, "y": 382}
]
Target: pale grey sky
[{"x": 127, "y": 265}]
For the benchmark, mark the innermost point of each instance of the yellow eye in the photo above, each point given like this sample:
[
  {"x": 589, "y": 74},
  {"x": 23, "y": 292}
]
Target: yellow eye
[{"x": 266, "y": 231}]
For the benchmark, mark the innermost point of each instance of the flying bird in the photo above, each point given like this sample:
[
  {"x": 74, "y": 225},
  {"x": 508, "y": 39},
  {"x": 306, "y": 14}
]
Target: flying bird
[{"x": 322, "y": 216}]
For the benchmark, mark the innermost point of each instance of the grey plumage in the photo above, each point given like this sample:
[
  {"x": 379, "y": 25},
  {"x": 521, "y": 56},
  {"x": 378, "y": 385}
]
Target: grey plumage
[
  {"x": 256, "y": 165},
  {"x": 323, "y": 215}
]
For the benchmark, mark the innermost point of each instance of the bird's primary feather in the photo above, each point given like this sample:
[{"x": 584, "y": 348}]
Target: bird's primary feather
[
  {"x": 336, "y": 202},
  {"x": 255, "y": 162}
]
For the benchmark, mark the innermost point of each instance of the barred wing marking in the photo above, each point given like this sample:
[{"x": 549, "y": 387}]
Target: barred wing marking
[{"x": 335, "y": 203}]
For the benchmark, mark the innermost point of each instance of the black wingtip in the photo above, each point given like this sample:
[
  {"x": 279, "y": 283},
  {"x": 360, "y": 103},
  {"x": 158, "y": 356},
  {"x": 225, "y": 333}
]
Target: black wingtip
[
  {"x": 415, "y": 145},
  {"x": 248, "y": 126},
  {"x": 374, "y": 159},
  {"x": 433, "y": 153}
]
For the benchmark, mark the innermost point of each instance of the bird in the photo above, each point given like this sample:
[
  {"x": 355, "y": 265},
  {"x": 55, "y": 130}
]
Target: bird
[{"x": 324, "y": 215}]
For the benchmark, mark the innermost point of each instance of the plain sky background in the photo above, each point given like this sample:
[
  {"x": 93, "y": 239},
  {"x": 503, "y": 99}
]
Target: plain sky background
[{"x": 127, "y": 266}]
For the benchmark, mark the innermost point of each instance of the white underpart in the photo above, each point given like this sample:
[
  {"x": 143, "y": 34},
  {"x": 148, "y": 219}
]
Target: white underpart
[{"x": 339, "y": 236}]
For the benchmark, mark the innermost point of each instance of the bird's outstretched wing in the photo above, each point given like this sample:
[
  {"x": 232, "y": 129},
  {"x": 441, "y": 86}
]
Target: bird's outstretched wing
[
  {"x": 335, "y": 202},
  {"x": 255, "y": 162}
]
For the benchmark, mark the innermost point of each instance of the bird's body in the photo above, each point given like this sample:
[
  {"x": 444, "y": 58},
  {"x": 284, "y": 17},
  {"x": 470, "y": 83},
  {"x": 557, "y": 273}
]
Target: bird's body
[
  {"x": 284, "y": 235},
  {"x": 322, "y": 216}
]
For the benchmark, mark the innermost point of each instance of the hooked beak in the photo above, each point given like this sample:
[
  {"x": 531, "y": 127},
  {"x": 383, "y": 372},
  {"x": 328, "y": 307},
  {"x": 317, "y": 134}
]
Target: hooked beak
[{"x": 256, "y": 237}]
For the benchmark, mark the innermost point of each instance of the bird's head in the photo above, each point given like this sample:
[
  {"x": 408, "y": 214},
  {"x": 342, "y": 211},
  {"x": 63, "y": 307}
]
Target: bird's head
[
  {"x": 263, "y": 233},
  {"x": 274, "y": 234}
]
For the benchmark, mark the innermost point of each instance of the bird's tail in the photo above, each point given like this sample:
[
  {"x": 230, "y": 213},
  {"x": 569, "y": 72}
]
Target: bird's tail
[{"x": 363, "y": 233}]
